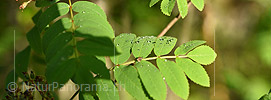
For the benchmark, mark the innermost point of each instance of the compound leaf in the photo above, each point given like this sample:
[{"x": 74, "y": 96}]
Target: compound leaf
[
  {"x": 164, "y": 45},
  {"x": 188, "y": 46},
  {"x": 194, "y": 71},
  {"x": 152, "y": 80},
  {"x": 98, "y": 46},
  {"x": 127, "y": 77},
  {"x": 123, "y": 42},
  {"x": 183, "y": 7},
  {"x": 174, "y": 77},
  {"x": 203, "y": 55},
  {"x": 199, "y": 4},
  {"x": 91, "y": 20},
  {"x": 143, "y": 46},
  {"x": 106, "y": 90},
  {"x": 153, "y": 2},
  {"x": 52, "y": 13},
  {"x": 167, "y": 6}
]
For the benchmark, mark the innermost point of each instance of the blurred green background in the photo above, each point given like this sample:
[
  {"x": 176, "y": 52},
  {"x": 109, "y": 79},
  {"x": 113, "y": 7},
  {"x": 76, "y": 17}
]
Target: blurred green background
[{"x": 238, "y": 30}]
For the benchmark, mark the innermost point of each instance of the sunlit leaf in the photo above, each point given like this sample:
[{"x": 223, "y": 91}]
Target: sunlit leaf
[
  {"x": 152, "y": 80},
  {"x": 127, "y": 78},
  {"x": 183, "y": 7},
  {"x": 188, "y": 46},
  {"x": 91, "y": 20},
  {"x": 174, "y": 77},
  {"x": 106, "y": 90},
  {"x": 199, "y": 4},
  {"x": 123, "y": 42},
  {"x": 143, "y": 46},
  {"x": 164, "y": 45},
  {"x": 194, "y": 71},
  {"x": 203, "y": 55},
  {"x": 153, "y": 2},
  {"x": 167, "y": 6}
]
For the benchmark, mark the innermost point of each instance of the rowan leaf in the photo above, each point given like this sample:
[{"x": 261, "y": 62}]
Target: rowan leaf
[
  {"x": 194, "y": 71},
  {"x": 34, "y": 39},
  {"x": 183, "y": 7},
  {"x": 91, "y": 20},
  {"x": 143, "y": 46},
  {"x": 167, "y": 6},
  {"x": 199, "y": 4},
  {"x": 127, "y": 78},
  {"x": 188, "y": 46},
  {"x": 152, "y": 80},
  {"x": 98, "y": 46},
  {"x": 203, "y": 55},
  {"x": 123, "y": 42},
  {"x": 106, "y": 90},
  {"x": 174, "y": 77},
  {"x": 153, "y": 2},
  {"x": 52, "y": 13},
  {"x": 164, "y": 45}
]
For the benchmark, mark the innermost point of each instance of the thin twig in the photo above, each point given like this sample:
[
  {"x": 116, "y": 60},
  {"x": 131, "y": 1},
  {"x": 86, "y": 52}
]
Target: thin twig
[{"x": 171, "y": 23}]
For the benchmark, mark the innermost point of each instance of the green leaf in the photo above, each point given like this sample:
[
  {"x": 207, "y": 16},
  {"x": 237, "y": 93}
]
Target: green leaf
[
  {"x": 143, "y": 46},
  {"x": 43, "y": 3},
  {"x": 98, "y": 46},
  {"x": 52, "y": 13},
  {"x": 58, "y": 43},
  {"x": 34, "y": 39},
  {"x": 152, "y": 80},
  {"x": 194, "y": 71},
  {"x": 54, "y": 30},
  {"x": 174, "y": 77},
  {"x": 62, "y": 73},
  {"x": 84, "y": 79},
  {"x": 266, "y": 96},
  {"x": 188, "y": 46},
  {"x": 199, "y": 4},
  {"x": 164, "y": 45},
  {"x": 183, "y": 7},
  {"x": 167, "y": 6},
  {"x": 91, "y": 20},
  {"x": 85, "y": 96},
  {"x": 153, "y": 2},
  {"x": 106, "y": 90},
  {"x": 127, "y": 77},
  {"x": 36, "y": 17},
  {"x": 61, "y": 56},
  {"x": 123, "y": 42},
  {"x": 203, "y": 55},
  {"x": 95, "y": 65},
  {"x": 22, "y": 61}
]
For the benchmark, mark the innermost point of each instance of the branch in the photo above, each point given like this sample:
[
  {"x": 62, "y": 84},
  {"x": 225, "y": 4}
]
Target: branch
[{"x": 171, "y": 23}]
